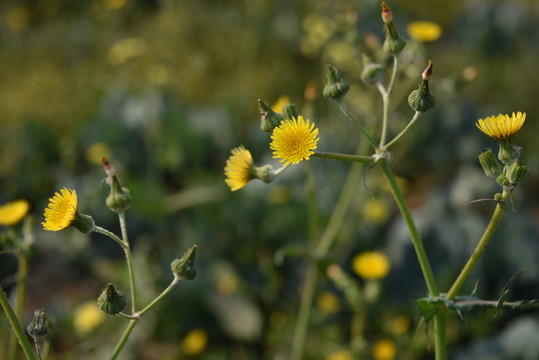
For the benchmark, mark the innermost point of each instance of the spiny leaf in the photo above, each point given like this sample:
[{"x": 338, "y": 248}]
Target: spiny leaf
[{"x": 505, "y": 292}]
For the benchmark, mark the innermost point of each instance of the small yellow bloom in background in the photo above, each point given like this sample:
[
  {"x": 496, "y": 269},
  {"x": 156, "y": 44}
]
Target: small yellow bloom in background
[
  {"x": 294, "y": 140},
  {"x": 375, "y": 211},
  {"x": 87, "y": 317},
  {"x": 384, "y": 350},
  {"x": 281, "y": 101},
  {"x": 195, "y": 342},
  {"x": 114, "y": 4},
  {"x": 126, "y": 49},
  {"x": 328, "y": 302},
  {"x": 12, "y": 213},
  {"x": 96, "y": 151},
  {"x": 502, "y": 127},
  {"x": 400, "y": 325},
  {"x": 61, "y": 211},
  {"x": 18, "y": 18},
  {"x": 341, "y": 355},
  {"x": 371, "y": 265},
  {"x": 424, "y": 31},
  {"x": 239, "y": 168}
]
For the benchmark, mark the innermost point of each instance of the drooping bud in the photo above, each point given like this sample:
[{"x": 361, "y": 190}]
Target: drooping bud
[
  {"x": 516, "y": 172},
  {"x": 421, "y": 99},
  {"x": 490, "y": 164},
  {"x": 184, "y": 267},
  {"x": 269, "y": 119},
  {"x": 394, "y": 43},
  {"x": 38, "y": 326},
  {"x": 111, "y": 300},
  {"x": 336, "y": 87},
  {"x": 372, "y": 72},
  {"x": 290, "y": 111},
  {"x": 119, "y": 198}
]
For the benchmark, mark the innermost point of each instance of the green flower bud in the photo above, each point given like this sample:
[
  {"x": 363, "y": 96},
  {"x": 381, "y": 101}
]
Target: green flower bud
[
  {"x": 119, "y": 198},
  {"x": 336, "y": 87},
  {"x": 490, "y": 164},
  {"x": 269, "y": 119},
  {"x": 184, "y": 267},
  {"x": 38, "y": 326},
  {"x": 421, "y": 99},
  {"x": 516, "y": 172},
  {"x": 502, "y": 180},
  {"x": 290, "y": 111},
  {"x": 111, "y": 300},
  {"x": 394, "y": 43},
  {"x": 372, "y": 72},
  {"x": 84, "y": 223},
  {"x": 508, "y": 152},
  {"x": 265, "y": 173}
]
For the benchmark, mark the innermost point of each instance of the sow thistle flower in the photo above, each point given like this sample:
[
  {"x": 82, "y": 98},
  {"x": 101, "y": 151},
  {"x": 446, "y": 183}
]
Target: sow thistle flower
[
  {"x": 424, "y": 31},
  {"x": 62, "y": 212},
  {"x": 371, "y": 265},
  {"x": 294, "y": 140},
  {"x": 240, "y": 169},
  {"x": 503, "y": 129},
  {"x": 12, "y": 213}
]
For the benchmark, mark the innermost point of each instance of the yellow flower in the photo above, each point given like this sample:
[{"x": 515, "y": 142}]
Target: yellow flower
[
  {"x": 195, "y": 342},
  {"x": 62, "y": 210},
  {"x": 341, "y": 355},
  {"x": 281, "y": 101},
  {"x": 328, "y": 302},
  {"x": 424, "y": 31},
  {"x": 371, "y": 265},
  {"x": 375, "y": 211},
  {"x": 400, "y": 325},
  {"x": 294, "y": 140},
  {"x": 502, "y": 127},
  {"x": 87, "y": 317},
  {"x": 13, "y": 212},
  {"x": 239, "y": 168},
  {"x": 384, "y": 350}
]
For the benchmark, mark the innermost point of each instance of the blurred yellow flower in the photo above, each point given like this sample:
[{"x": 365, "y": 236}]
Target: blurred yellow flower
[
  {"x": 371, "y": 265},
  {"x": 195, "y": 342},
  {"x": 87, "y": 317},
  {"x": 375, "y": 211},
  {"x": 502, "y": 127},
  {"x": 328, "y": 302},
  {"x": 61, "y": 211},
  {"x": 13, "y": 212},
  {"x": 294, "y": 140},
  {"x": 424, "y": 31},
  {"x": 281, "y": 101},
  {"x": 239, "y": 168},
  {"x": 18, "y": 18},
  {"x": 96, "y": 151},
  {"x": 400, "y": 325},
  {"x": 341, "y": 355},
  {"x": 125, "y": 49},
  {"x": 227, "y": 282},
  {"x": 384, "y": 350},
  {"x": 114, "y": 4}
]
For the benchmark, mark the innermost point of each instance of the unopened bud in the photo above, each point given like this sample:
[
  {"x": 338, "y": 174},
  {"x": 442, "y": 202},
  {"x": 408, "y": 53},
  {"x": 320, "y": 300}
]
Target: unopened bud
[
  {"x": 290, "y": 111},
  {"x": 111, "y": 300},
  {"x": 119, "y": 198},
  {"x": 394, "y": 43},
  {"x": 516, "y": 173},
  {"x": 387, "y": 15},
  {"x": 184, "y": 267},
  {"x": 427, "y": 73},
  {"x": 269, "y": 119},
  {"x": 490, "y": 164},
  {"x": 38, "y": 326},
  {"x": 372, "y": 72},
  {"x": 336, "y": 87},
  {"x": 421, "y": 99}
]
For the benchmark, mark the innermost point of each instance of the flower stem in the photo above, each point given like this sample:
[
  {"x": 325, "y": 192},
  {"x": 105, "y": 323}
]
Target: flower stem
[
  {"x": 404, "y": 131},
  {"x": 110, "y": 234},
  {"x": 349, "y": 115},
  {"x": 385, "y": 101},
  {"x": 480, "y": 248},
  {"x": 393, "y": 75},
  {"x": 161, "y": 296},
  {"x": 129, "y": 260},
  {"x": 20, "y": 299},
  {"x": 123, "y": 339},
  {"x": 16, "y": 326},
  {"x": 344, "y": 157}
]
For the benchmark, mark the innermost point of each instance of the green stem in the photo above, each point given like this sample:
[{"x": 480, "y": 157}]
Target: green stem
[
  {"x": 480, "y": 248},
  {"x": 123, "y": 339},
  {"x": 20, "y": 299},
  {"x": 393, "y": 75},
  {"x": 344, "y": 157},
  {"x": 385, "y": 100},
  {"x": 312, "y": 203},
  {"x": 404, "y": 131},
  {"x": 16, "y": 326},
  {"x": 350, "y": 116},
  {"x": 161, "y": 296},
  {"x": 440, "y": 352},
  {"x": 129, "y": 259},
  {"x": 110, "y": 234}
]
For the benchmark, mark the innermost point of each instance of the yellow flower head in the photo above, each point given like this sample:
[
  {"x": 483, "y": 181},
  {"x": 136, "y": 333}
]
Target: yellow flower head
[
  {"x": 371, "y": 265},
  {"x": 195, "y": 342},
  {"x": 502, "y": 127},
  {"x": 239, "y": 168},
  {"x": 13, "y": 212},
  {"x": 87, "y": 317},
  {"x": 384, "y": 350},
  {"x": 328, "y": 302},
  {"x": 294, "y": 140},
  {"x": 341, "y": 355},
  {"x": 424, "y": 31},
  {"x": 281, "y": 101},
  {"x": 62, "y": 210}
]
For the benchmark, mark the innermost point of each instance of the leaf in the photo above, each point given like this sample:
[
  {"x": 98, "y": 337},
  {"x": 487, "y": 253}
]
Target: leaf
[{"x": 505, "y": 292}]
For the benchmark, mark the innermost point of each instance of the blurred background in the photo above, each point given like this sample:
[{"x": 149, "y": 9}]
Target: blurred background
[{"x": 165, "y": 89}]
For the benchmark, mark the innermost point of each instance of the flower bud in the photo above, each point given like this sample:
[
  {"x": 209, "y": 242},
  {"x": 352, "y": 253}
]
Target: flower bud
[
  {"x": 336, "y": 87},
  {"x": 265, "y": 173},
  {"x": 508, "y": 152},
  {"x": 269, "y": 119},
  {"x": 516, "y": 172},
  {"x": 38, "y": 326},
  {"x": 290, "y": 111},
  {"x": 111, "y": 300},
  {"x": 372, "y": 72},
  {"x": 502, "y": 180},
  {"x": 119, "y": 198},
  {"x": 387, "y": 14},
  {"x": 184, "y": 267},
  {"x": 421, "y": 99},
  {"x": 490, "y": 164},
  {"x": 394, "y": 43}
]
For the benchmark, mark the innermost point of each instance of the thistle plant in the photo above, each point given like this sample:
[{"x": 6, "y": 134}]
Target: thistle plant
[
  {"x": 296, "y": 140},
  {"x": 63, "y": 212}
]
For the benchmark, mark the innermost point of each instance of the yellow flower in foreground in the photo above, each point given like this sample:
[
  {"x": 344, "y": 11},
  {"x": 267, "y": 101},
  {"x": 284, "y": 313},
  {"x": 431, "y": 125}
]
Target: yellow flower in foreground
[
  {"x": 371, "y": 265},
  {"x": 294, "y": 140},
  {"x": 424, "y": 31},
  {"x": 239, "y": 168},
  {"x": 502, "y": 127},
  {"x": 195, "y": 342},
  {"x": 13, "y": 212},
  {"x": 62, "y": 210},
  {"x": 384, "y": 350},
  {"x": 87, "y": 317}
]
